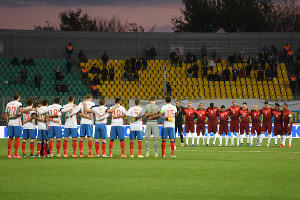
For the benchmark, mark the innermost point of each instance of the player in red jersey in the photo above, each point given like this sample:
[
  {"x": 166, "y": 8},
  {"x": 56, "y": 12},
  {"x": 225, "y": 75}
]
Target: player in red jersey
[
  {"x": 234, "y": 121},
  {"x": 256, "y": 125},
  {"x": 287, "y": 125},
  {"x": 223, "y": 128},
  {"x": 189, "y": 113},
  {"x": 200, "y": 129},
  {"x": 212, "y": 113},
  {"x": 267, "y": 121},
  {"x": 277, "y": 113},
  {"x": 244, "y": 124}
]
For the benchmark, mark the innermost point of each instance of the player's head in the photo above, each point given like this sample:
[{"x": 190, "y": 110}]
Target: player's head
[
  {"x": 285, "y": 106},
  {"x": 255, "y": 107},
  {"x": 16, "y": 97},
  {"x": 45, "y": 102},
  {"x": 276, "y": 106},
  {"x": 71, "y": 99},
  {"x": 29, "y": 102},
  {"x": 89, "y": 97},
  {"x": 201, "y": 105},
  {"x": 222, "y": 107},
  {"x": 117, "y": 101},
  {"x": 234, "y": 102},
  {"x": 189, "y": 104},
  {"x": 168, "y": 99},
  {"x": 102, "y": 102},
  {"x": 152, "y": 99},
  {"x": 177, "y": 103},
  {"x": 244, "y": 105},
  {"x": 56, "y": 100},
  {"x": 266, "y": 104},
  {"x": 40, "y": 103},
  {"x": 137, "y": 102},
  {"x": 211, "y": 105}
]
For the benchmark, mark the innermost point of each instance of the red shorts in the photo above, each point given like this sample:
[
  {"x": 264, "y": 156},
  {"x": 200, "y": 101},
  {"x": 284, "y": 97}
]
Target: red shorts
[
  {"x": 223, "y": 128},
  {"x": 286, "y": 129},
  {"x": 267, "y": 126},
  {"x": 200, "y": 128},
  {"x": 234, "y": 126},
  {"x": 212, "y": 126},
  {"x": 277, "y": 129},
  {"x": 189, "y": 127},
  {"x": 244, "y": 128},
  {"x": 256, "y": 127}
]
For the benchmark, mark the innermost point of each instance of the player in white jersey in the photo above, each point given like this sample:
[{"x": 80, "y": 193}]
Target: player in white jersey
[
  {"x": 12, "y": 115},
  {"x": 117, "y": 129},
  {"x": 42, "y": 121},
  {"x": 102, "y": 113},
  {"x": 86, "y": 125},
  {"x": 55, "y": 126},
  {"x": 71, "y": 129},
  {"x": 136, "y": 128},
  {"x": 29, "y": 128},
  {"x": 168, "y": 113}
]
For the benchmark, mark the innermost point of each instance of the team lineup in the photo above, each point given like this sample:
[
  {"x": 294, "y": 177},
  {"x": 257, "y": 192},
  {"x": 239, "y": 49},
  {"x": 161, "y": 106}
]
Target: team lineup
[{"x": 48, "y": 120}]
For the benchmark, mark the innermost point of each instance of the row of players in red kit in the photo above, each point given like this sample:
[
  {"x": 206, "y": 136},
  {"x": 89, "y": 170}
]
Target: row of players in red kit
[{"x": 239, "y": 123}]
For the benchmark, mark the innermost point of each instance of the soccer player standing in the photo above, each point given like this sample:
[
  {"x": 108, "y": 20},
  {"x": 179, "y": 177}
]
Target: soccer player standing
[
  {"x": 136, "y": 128},
  {"x": 234, "y": 121},
  {"x": 42, "y": 120},
  {"x": 117, "y": 129},
  {"x": 267, "y": 121},
  {"x": 29, "y": 128},
  {"x": 256, "y": 124},
  {"x": 200, "y": 125},
  {"x": 189, "y": 113},
  {"x": 212, "y": 114},
  {"x": 287, "y": 125},
  {"x": 13, "y": 112},
  {"x": 70, "y": 126},
  {"x": 277, "y": 113},
  {"x": 244, "y": 124},
  {"x": 223, "y": 128},
  {"x": 178, "y": 121}
]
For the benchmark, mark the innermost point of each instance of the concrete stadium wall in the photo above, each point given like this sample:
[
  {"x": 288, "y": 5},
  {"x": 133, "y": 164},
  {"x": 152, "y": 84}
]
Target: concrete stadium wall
[{"x": 51, "y": 44}]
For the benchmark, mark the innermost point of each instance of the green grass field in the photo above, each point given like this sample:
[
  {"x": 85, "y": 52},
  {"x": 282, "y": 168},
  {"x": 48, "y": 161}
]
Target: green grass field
[{"x": 196, "y": 173}]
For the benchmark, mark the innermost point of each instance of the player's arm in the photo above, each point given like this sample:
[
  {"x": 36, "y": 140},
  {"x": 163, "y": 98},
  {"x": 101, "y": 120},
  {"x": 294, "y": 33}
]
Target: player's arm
[
  {"x": 85, "y": 116},
  {"x": 111, "y": 110},
  {"x": 290, "y": 119},
  {"x": 23, "y": 110},
  {"x": 64, "y": 109},
  {"x": 86, "y": 109}
]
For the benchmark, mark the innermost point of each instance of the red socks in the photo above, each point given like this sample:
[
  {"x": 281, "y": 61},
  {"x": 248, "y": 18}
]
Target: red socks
[
  {"x": 103, "y": 147},
  {"x": 39, "y": 149},
  {"x": 131, "y": 147},
  {"x": 97, "y": 147},
  {"x": 74, "y": 144},
  {"x": 9, "y": 145},
  {"x": 46, "y": 149},
  {"x": 163, "y": 147},
  {"x": 111, "y": 144},
  {"x": 172, "y": 144},
  {"x": 58, "y": 147},
  {"x": 140, "y": 146},
  {"x": 50, "y": 146},
  {"x": 65, "y": 147},
  {"x": 90, "y": 146},
  {"x": 31, "y": 147},
  {"x": 122, "y": 144},
  {"x": 81, "y": 147},
  {"x": 17, "y": 139},
  {"x": 23, "y": 147}
]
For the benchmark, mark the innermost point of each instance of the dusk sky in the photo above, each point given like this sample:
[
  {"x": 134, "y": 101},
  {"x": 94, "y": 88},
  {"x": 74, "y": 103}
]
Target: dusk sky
[{"x": 24, "y": 14}]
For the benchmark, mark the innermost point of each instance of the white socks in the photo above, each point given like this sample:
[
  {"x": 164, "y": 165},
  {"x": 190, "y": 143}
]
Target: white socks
[
  {"x": 193, "y": 138},
  {"x": 220, "y": 139},
  {"x": 275, "y": 139},
  {"x": 203, "y": 138},
  {"x": 269, "y": 139},
  {"x": 248, "y": 138},
  {"x": 207, "y": 138},
  {"x": 237, "y": 139},
  {"x": 283, "y": 139},
  {"x": 232, "y": 139},
  {"x": 226, "y": 140},
  {"x": 198, "y": 139},
  {"x": 251, "y": 139},
  {"x": 290, "y": 139}
]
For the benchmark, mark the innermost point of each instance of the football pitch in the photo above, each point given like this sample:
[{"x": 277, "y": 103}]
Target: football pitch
[{"x": 196, "y": 173}]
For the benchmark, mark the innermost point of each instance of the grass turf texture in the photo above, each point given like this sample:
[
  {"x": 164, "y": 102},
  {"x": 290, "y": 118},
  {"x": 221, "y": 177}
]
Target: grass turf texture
[{"x": 196, "y": 173}]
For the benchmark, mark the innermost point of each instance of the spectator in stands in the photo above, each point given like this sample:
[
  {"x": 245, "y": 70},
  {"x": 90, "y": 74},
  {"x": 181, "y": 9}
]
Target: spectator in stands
[
  {"x": 180, "y": 60},
  {"x": 189, "y": 57},
  {"x": 30, "y": 61},
  {"x": 293, "y": 80},
  {"x": 95, "y": 91},
  {"x": 96, "y": 80},
  {"x": 15, "y": 61},
  {"x": 211, "y": 64},
  {"x": 145, "y": 63},
  {"x": 169, "y": 89},
  {"x": 81, "y": 57},
  {"x": 125, "y": 76},
  {"x": 232, "y": 59},
  {"x": 24, "y": 62},
  {"x": 242, "y": 73},
  {"x": 130, "y": 76},
  {"x": 241, "y": 57},
  {"x": 104, "y": 58},
  {"x": 23, "y": 76},
  {"x": 135, "y": 76},
  {"x": 111, "y": 73},
  {"x": 138, "y": 64},
  {"x": 203, "y": 52},
  {"x": 69, "y": 50},
  {"x": 16, "y": 80},
  {"x": 59, "y": 75},
  {"x": 286, "y": 48},
  {"x": 132, "y": 63},
  {"x": 147, "y": 52},
  {"x": 274, "y": 73},
  {"x": 153, "y": 53},
  {"x": 248, "y": 70},
  {"x": 174, "y": 58},
  {"x": 213, "y": 54},
  {"x": 268, "y": 75},
  {"x": 298, "y": 80},
  {"x": 190, "y": 72},
  {"x": 104, "y": 74},
  {"x": 195, "y": 70},
  {"x": 235, "y": 73},
  {"x": 290, "y": 57},
  {"x": 217, "y": 77},
  {"x": 226, "y": 74},
  {"x": 69, "y": 66},
  {"x": 260, "y": 73},
  {"x": 84, "y": 74},
  {"x": 93, "y": 69},
  {"x": 37, "y": 80},
  {"x": 204, "y": 64}
]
